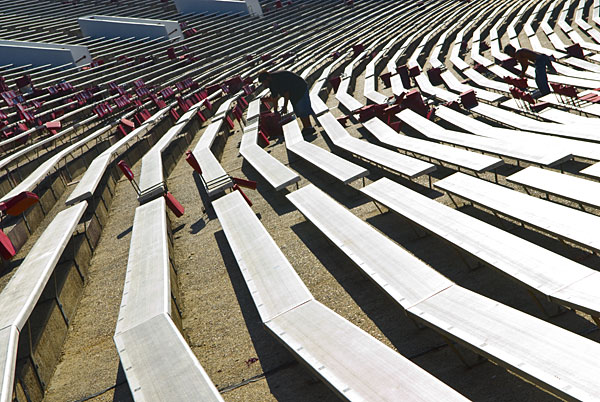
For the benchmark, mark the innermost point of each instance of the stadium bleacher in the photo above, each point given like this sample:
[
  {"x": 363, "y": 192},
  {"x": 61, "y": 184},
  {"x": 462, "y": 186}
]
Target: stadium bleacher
[{"x": 136, "y": 265}]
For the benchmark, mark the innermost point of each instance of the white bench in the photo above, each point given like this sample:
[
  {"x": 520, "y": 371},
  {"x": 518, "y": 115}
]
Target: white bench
[
  {"x": 276, "y": 173},
  {"x": 428, "y": 88},
  {"x": 556, "y": 115},
  {"x": 318, "y": 106},
  {"x": 397, "y": 85},
  {"x": 353, "y": 363},
  {"x": 485, "y": 82},
  {"x": 455, "y": 57},
  {"x": 551, "y": 357},
  {"x": 24, "y": 289},
  {"x": 455, "y": 85},
  {"x": 569, "y": 187},
  {"x": 15, "y": 156},
  {"x": 152, "y": 182},
  {"x": 49, "y": 166},
  {"x": 343, "y": 170},
  {"x": 526, "y": 123},
  {"x": 378, "y": 256},
  {"x": 272, "y": 281},
  {"x": 520, "y": 152},
  {"x": 160, "y": 366},
  {"x": 443, "y": 153},
  {"x": 147, "y": 290},
  {"x": 579, "y": 17},
  {"x": 9, "y": 339},
  {"x": 370, "y": 78},
  {"x": 561, "y": 21},
  {"x": 584, "y": 64},
  {"x": 527, "y": 26},
  {"x": 157, "y": 361},
  {"x": 556, "y": 277},
  {"x": 537, "y": 46},
  {"x": 92, "y": 176},
  {"x": 215, "y": 179},
  {"x": 394, "y": 161},
  {"x": 583, "y": 149},
  {"x": 558, "y": 220}
]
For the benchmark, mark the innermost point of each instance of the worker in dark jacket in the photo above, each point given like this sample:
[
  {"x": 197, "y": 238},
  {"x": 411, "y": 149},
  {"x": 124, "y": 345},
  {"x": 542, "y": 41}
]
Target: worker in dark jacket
[
  {"x": 293, "y": 89},
  {"x": 539, "y": 60}
]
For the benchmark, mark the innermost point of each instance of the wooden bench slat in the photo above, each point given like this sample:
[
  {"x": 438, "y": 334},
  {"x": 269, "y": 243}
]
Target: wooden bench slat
[
  {"x": 160, "y": 366},
  {"x": 20, "y": 295},
  {"x": 402, "y": 164},
  {"x": 351, "y": 361},
  {"x": 272, "y": 281},
  {"x": 559, "y": 220},
  {"x": 147, "y": 292},
  {"x": 569, "y": 187},
  {"x": 340, "y": 168},
  {"x": 9, "y": 339},
  {"x": 366, "y": 247},
  {"x": 460, "y": 157},
  {"x": 538, "y": 268},
  {"x": 491, "y": 145},
  {"x": 549, "y": 356}
]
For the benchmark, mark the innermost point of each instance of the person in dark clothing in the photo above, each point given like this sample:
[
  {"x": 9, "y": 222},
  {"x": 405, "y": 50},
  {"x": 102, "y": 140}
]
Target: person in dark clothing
[
  {"x": 539, "y": 60},
  {"x": 292, "y": 88}
]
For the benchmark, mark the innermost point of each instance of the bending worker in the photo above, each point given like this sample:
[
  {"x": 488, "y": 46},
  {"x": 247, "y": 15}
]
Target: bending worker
[
  {"x": 294, "y": 89},
  {"x": 539, "y": 60}
]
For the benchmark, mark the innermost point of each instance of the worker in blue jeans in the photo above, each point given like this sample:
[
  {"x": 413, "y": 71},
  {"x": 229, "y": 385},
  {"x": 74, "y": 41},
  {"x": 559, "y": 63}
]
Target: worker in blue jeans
[
  {"x": 294, "y": 89},
  {"x": 542, "y": 62}
]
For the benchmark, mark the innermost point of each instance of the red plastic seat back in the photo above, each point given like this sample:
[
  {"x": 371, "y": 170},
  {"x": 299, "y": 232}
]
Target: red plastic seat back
[
  {"x": 335, "y": 82},
  {"x": 126, "y": 170},
  {"x": 435, "y": 75},
  {"x": 193, "y": 162},
  {"x": 174, "y": 205},
  {"x": 414, "y": 101},
  {"x": 19, "y": 203},
  {"x": 515, "y": 93},
  {"x": 270, "y": 124},
  {"x": 568, "y": 90},
  {"x": 575, "y": 50},
  {"x": 403, "y": 72},
  {"x": 386, "y": 78},
  {"x": 7, "y": 250},
  {"x": 527, "y": 97},
  {"x": 468, "y": 98}
]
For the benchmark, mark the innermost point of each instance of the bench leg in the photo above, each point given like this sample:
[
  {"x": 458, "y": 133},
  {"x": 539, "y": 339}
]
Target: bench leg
[
  {"x": 455, "y": 350},
  {"x": 416, "y": 229},
  {"x": 541, "y": 306},
  {"x": 377, "y": 206},
  {"x": 452, "y": 199},
  {"x": 477, "y": 265}
]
